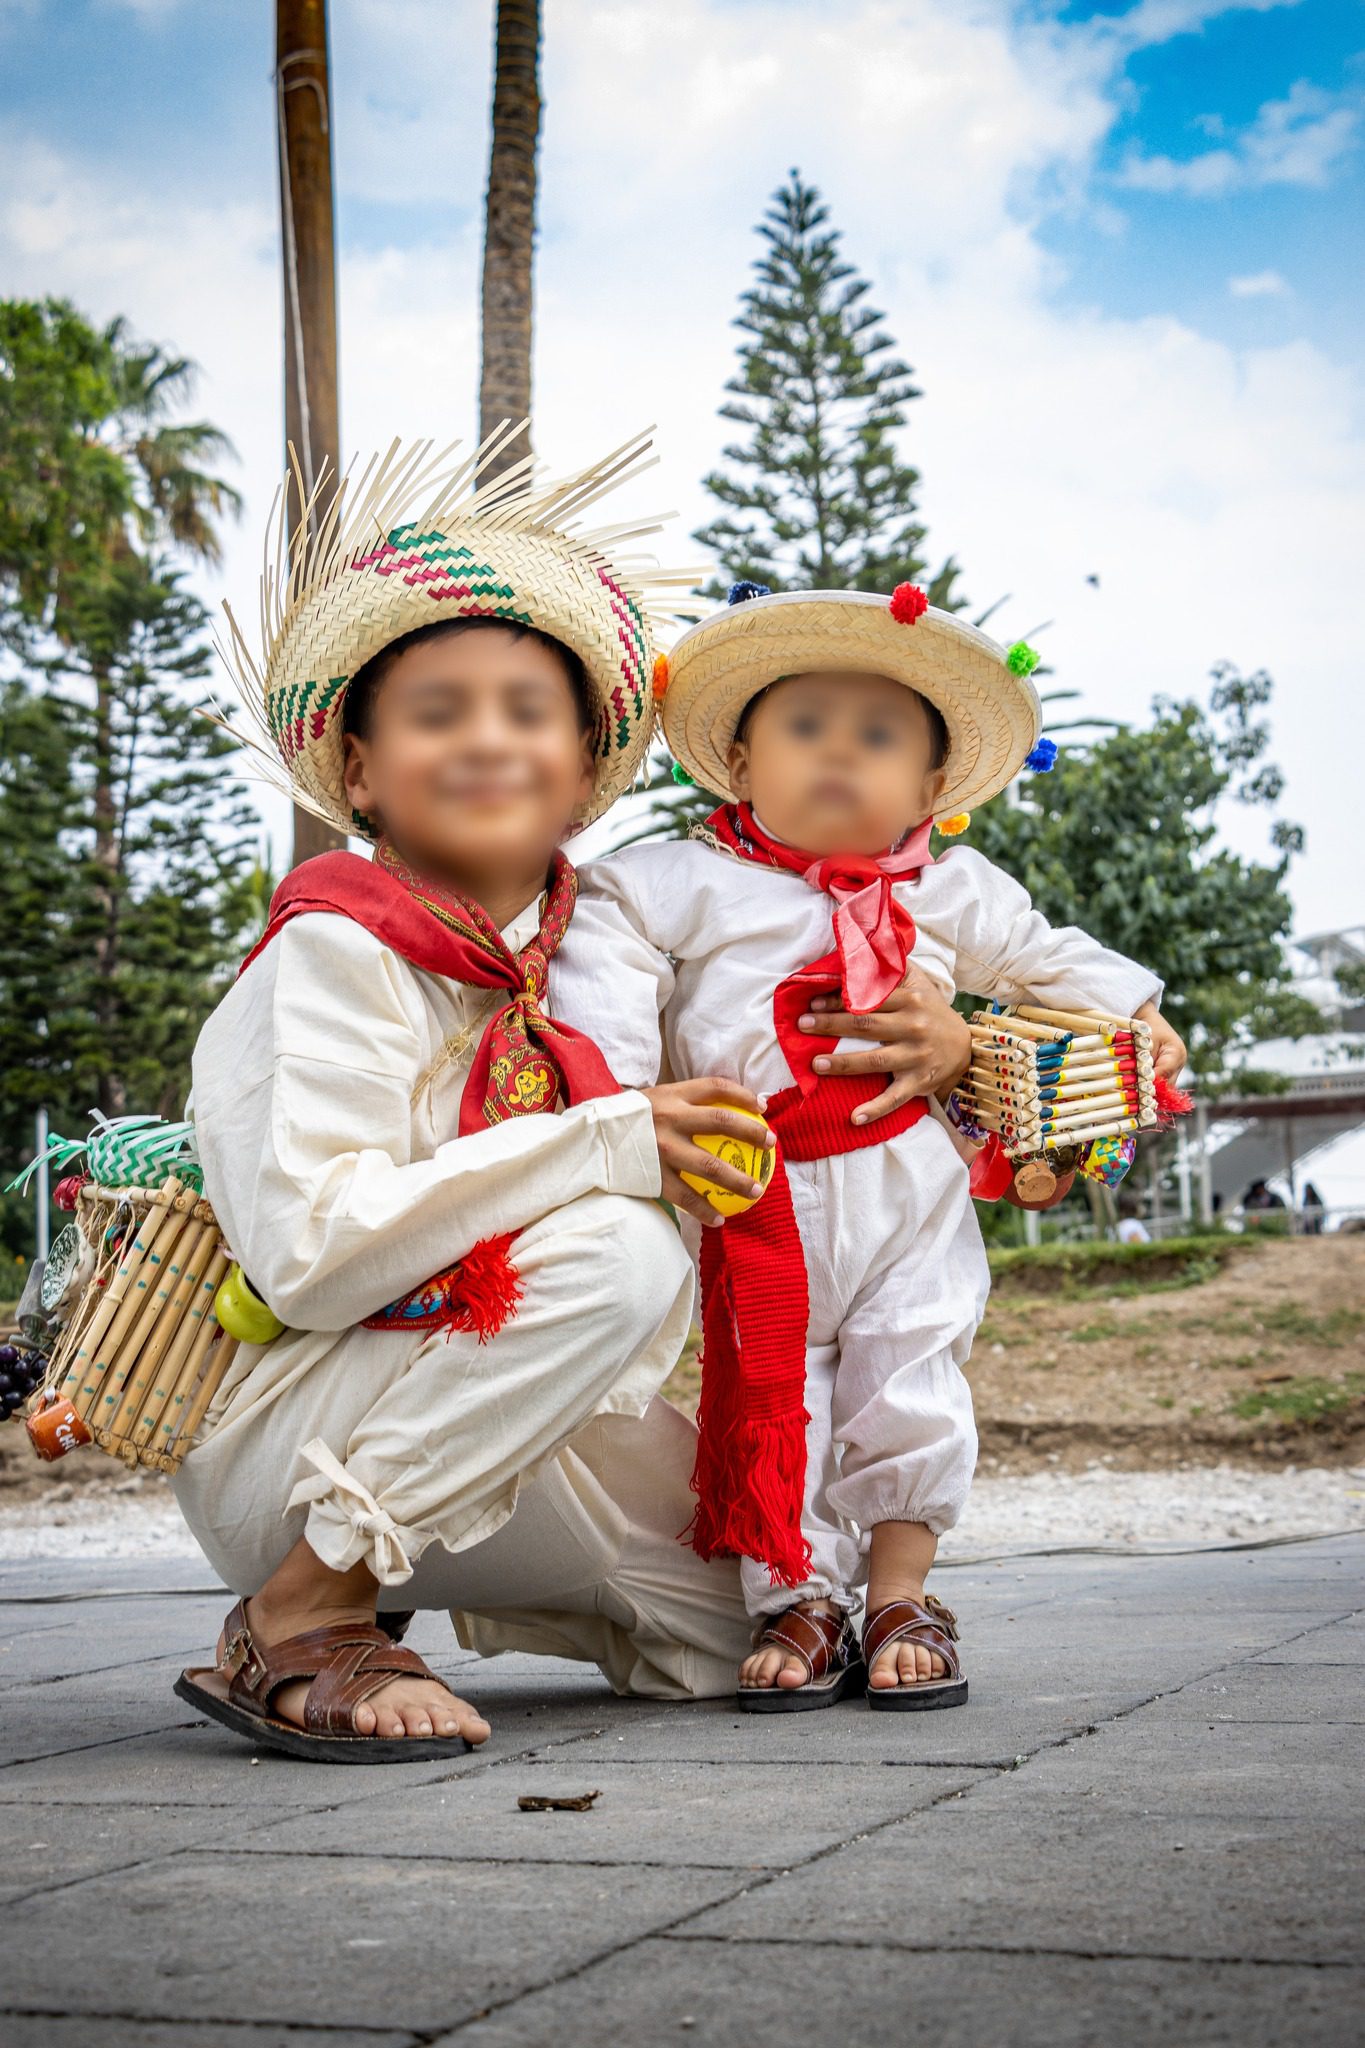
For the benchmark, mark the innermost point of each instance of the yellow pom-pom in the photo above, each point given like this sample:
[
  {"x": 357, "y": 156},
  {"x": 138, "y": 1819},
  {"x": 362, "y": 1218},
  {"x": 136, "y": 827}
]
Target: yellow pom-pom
[
  {"x": 950, "y": 827},
  {"x": 755, "y": 1160}
]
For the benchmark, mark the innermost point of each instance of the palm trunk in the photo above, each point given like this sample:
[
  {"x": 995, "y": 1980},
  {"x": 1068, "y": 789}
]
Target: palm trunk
[
  {"x": 112, "y": 1094},
  {"x": 311, "y": 429},
  {"x": 510, "y": 228}
]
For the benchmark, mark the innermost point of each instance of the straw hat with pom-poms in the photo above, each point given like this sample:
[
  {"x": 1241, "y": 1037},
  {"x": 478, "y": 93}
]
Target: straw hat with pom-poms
[
  {"x": 414, "y": 539},
  {"x": 981, "y": 689}
]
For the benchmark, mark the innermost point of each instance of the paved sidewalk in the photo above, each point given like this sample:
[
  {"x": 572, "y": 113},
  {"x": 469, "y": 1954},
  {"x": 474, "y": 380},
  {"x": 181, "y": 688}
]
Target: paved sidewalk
[{"x": 1146, "y": 1825}]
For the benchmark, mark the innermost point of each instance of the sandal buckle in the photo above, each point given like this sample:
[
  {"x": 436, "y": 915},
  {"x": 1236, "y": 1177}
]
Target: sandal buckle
[
  {"x": 944, "y": 1615},
  {"x": 242, "y": 1659}
]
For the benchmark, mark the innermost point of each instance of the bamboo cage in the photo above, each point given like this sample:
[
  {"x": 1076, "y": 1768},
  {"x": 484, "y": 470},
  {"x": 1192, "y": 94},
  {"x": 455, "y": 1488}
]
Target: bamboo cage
[
  {"x": 1048, "y": 1081},
  {"x": 142, "y": 1355}
]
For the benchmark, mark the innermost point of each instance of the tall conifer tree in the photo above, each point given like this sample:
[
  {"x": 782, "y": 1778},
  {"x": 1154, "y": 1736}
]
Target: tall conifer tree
[{"x": 816, "y": 497}]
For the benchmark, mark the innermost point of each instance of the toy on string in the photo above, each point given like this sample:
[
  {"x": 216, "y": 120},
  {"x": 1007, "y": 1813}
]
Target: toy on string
[
  {"x": 140, "y": 1307},
  {"x": 1053, "y": 1092}
]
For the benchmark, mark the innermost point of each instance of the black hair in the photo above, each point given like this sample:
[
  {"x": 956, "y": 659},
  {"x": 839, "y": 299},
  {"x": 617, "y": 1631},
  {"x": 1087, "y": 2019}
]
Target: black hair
[
  {"x": 357, "y": 710},
  {"x": 938, "y": 728}
]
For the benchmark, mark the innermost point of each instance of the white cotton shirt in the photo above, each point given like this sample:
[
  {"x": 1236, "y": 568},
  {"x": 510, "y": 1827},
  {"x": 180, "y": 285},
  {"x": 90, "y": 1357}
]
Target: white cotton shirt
[{"x": 714, "y": 935}]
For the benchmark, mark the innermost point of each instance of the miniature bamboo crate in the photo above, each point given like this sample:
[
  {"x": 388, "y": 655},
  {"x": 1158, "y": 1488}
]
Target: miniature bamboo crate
[
  {"x": 1047, "y": 1081},
  {"x": 143, "y": 1354}
]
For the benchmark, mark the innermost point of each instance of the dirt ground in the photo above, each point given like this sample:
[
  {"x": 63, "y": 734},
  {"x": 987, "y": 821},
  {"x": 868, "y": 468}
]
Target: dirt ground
[{"x": 1251, "y": 1352}]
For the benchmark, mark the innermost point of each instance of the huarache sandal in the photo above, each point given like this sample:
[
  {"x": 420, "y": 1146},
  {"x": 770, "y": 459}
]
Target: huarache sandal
[
  {"x": 346, "y": 1663},
  {"x": 828, "y": 1647},
  {"x": 934, "y": 1627}
]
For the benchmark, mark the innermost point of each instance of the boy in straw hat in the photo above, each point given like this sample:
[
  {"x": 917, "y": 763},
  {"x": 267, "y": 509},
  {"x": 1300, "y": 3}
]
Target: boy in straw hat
[
  {"x": 478, "y": 1293},
  {"x": 836, "y": 1425}
]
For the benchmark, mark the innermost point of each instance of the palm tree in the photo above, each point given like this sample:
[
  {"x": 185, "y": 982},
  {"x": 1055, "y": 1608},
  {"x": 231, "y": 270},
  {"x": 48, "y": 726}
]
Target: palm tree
[{"x": 510, "y": 228}]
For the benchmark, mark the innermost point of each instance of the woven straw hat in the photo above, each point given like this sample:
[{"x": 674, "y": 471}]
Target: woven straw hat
[
  {"x": 415, "y": 540},
  {"x": 988, "y": 703}
]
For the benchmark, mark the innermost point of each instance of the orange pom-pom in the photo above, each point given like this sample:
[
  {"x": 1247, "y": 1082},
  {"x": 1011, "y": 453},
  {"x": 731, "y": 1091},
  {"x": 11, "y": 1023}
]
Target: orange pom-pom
[
  {"x": 950, "y": 827},
  {"x": 908, "y": 603},
  {"x": 660, "y": 677}
]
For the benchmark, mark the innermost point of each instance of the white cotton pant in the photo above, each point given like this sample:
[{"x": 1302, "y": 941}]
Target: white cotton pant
[
  {"x": 533, "y": 1485},
  {"x": 898, "y": 1283}
]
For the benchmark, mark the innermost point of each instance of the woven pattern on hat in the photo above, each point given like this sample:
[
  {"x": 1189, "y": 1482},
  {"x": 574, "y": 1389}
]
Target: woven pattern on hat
[{"x": 415, "y": 539}]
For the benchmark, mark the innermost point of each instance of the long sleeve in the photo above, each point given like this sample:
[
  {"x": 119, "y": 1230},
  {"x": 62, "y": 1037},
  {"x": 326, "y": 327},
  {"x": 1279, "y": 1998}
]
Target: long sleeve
[
  {"x": 304, "y": 1082},
  {"x": 611, "y": 976},
  {"x": 1007, "y": 950}
]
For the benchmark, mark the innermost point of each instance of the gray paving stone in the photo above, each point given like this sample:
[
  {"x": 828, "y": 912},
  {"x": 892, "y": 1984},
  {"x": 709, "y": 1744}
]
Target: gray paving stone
[
  {"x": 1342, "y": 1642},
  {"x": 735, "y": 1992},
  {"x": 1259, "y": 1691},
  {"x": 45, "y": 2030},
  {"x": 716, "y": 1814},
  {"x": 990, "y": 1733},
  {"x": 44, "y": 1847},
  {"x": 338, "y": 1942},
  {"x": 1056, "y": 1864}
]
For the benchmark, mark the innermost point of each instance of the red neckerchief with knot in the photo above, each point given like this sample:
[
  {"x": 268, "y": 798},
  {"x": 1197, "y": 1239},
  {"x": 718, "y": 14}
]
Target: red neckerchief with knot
[
  {"x": 751, "y": 1452},
  {"x": 526, "y": 1062},
  {"x": 874, "y": 935}
]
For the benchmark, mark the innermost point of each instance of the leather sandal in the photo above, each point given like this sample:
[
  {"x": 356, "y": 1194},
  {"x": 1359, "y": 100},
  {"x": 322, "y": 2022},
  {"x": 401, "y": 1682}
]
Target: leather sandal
[
  {"x": 828, "y": 1647},
  {"x": 934, "y": 1627},
  {"x": 347, "y": 1662}
]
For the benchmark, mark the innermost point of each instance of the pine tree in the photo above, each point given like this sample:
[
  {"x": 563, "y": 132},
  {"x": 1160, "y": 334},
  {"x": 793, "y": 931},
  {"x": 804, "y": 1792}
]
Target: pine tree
[{"x": 817, "y": 497}]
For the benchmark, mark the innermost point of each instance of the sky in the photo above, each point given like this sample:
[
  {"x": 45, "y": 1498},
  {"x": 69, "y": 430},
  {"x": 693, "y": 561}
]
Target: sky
[{"x": 1122, "y": 246}]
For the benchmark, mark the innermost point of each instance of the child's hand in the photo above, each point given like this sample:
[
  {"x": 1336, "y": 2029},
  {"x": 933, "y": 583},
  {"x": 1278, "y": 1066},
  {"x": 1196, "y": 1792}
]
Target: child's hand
[
  {"x": 924, "y": 1045},
  {"x": 1168, "y": 1047},
  {"x": 680, "y": 1115}
]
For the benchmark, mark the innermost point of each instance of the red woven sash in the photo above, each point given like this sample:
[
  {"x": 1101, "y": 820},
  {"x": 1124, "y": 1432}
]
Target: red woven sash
[{"x": 751, "y": 1455}]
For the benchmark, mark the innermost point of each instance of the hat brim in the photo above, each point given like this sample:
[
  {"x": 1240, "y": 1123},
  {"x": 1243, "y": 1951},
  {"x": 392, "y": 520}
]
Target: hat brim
[{"x": 719, "y": 666}]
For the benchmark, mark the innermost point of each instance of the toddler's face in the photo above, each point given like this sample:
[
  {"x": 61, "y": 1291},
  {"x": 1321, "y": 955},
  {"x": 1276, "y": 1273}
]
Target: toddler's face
[{"x": 838, "y": 763}]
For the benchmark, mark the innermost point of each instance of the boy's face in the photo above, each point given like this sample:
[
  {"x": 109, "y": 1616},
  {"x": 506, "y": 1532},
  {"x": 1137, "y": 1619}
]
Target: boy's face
[
  {"x": 474, "y": 760},
  {"x": 838, "y": 763}
]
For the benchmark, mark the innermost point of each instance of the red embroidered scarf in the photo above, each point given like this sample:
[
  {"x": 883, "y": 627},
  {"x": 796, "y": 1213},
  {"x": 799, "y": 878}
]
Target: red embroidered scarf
[
  {"x": 525, "y": 1061},
  {"x": 751, "y": 1453}
]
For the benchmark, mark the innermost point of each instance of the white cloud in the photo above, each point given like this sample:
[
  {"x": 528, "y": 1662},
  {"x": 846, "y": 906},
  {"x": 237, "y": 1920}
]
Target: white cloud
[
  {"x": 1219, "y": 494},
  {"x": 1259, "y": 284},
  {"x": 1299, "y": 140}
]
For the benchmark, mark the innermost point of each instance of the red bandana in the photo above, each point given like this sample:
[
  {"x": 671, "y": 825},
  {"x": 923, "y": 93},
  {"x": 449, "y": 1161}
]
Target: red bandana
[
  {"x": 526, "y": 1062},
  {"x": 751, "y": 1454}
]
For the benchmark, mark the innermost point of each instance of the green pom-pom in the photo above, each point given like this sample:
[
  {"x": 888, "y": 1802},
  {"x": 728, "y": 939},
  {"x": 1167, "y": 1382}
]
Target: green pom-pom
[
  {"x": 682, "y": 778},
  {"x": 1022, "y": 659}
]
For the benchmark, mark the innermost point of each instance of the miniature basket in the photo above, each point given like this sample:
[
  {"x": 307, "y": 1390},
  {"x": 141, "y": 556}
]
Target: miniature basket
[{"x": 142, "y": 1354}]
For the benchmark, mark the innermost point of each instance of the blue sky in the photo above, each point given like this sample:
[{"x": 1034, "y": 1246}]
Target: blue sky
[{"x": 1123, "y": 247}]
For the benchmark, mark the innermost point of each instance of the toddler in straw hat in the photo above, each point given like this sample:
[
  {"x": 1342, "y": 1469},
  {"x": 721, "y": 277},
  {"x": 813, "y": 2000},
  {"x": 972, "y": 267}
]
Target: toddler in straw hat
[{"x": 836, "y": 1433}]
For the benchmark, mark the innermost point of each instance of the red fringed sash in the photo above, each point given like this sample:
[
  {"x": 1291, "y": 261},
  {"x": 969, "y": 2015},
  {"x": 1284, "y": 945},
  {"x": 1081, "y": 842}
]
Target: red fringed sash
[
  {"x": 751, "y": 1455},
  {"x": 526, "y": 1062}
]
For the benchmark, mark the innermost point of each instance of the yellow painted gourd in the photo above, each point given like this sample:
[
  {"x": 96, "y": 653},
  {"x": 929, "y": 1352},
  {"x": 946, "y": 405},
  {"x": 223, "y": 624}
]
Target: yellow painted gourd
[
  {"x": 241, "y": 1311},
  {"x": 756, "y": 1160}
]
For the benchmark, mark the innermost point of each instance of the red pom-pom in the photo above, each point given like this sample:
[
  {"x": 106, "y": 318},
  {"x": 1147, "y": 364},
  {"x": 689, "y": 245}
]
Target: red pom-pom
[
  {"x": 483, "y": 1290},
  {"x": 65, "y": 1193},
  {"x": 1170, "y": 1102},
  {"x": 908, "y": 603}
]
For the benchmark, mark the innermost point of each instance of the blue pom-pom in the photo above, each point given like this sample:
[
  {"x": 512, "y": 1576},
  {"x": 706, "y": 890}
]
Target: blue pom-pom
[
  {"x": 740, "y": 593},
  {"x": 1043, "y": 759}
]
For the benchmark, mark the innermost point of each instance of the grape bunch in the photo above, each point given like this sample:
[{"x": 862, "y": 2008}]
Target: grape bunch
[{"x": 21, "y": 1373}]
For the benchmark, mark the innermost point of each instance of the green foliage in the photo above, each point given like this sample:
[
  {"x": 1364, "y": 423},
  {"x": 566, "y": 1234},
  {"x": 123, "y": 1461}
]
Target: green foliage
[
  {"x": 127, "y": 883},
  {"x": 816, "y": 498},
  {"x": 1307, "y": 1400},
  {"x": 1120, "y": 839}
]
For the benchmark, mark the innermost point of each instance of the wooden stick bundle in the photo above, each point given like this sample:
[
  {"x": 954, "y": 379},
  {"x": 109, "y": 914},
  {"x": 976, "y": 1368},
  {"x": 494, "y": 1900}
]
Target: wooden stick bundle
[
  {"x": 1047, "y": 1079},
  {"x": 142, "y": 1354}
]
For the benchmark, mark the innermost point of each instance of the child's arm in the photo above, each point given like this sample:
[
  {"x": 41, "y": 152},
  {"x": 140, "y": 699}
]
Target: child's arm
[
  {"x": 608, "y": 979},
  {"x": 1007, "y": 950},
  {"x": 305, "y": 1138}
]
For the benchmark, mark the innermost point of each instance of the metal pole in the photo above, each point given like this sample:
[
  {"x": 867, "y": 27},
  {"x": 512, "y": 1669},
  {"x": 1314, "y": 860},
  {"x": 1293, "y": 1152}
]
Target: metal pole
[
  {"x": 40, "y": 1182},
  {"x": 1182, "y": 1170},
  {"x": 1201, "y": 1126}
]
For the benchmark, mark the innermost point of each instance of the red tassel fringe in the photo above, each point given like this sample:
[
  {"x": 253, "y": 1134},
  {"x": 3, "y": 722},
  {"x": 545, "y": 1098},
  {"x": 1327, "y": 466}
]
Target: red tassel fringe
[
  {"x": 483, "y": 1291},
  {"x": 1170, "y": 1102}
]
